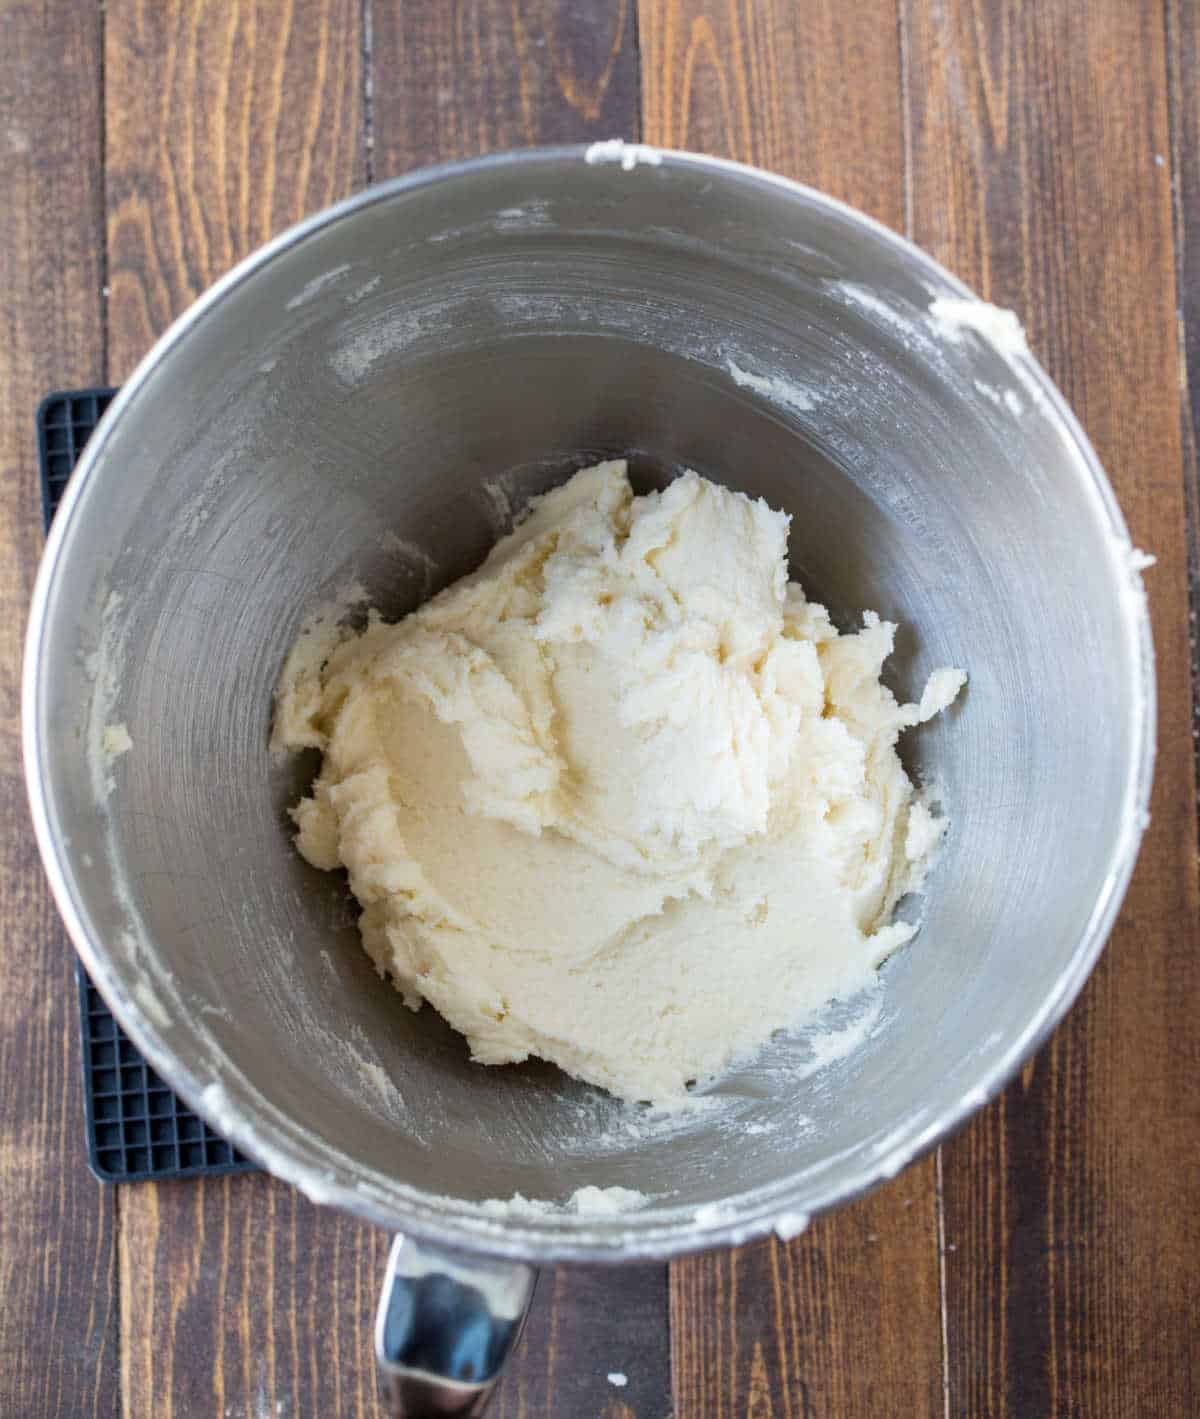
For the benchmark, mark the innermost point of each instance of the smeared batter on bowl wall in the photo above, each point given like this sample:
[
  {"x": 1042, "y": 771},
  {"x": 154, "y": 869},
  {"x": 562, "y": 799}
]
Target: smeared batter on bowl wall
[{"x": 623, "y": 798}]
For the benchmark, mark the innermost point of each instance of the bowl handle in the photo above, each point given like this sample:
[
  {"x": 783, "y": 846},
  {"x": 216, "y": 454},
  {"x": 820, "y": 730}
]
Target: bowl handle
[{"x": 446, "y": 1323}]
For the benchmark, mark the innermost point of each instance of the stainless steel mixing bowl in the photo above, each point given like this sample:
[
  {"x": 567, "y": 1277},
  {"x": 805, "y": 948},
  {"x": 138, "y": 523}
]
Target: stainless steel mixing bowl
[{"x": 370, "y": 397}]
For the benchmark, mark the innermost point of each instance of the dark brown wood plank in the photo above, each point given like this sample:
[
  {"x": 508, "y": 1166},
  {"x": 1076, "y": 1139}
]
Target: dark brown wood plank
[
  {"x": 844, "y": 1320},
  {"x": 58, "y": 1336},
  {"x": 1183, "y": 55},
  {"x": 226, "y": 123},
  {"x": 841, "y": 1321},
  {"x": 588, "y": 1323},
  {"x": 811, "y": 91},
  {"x": 455, "y": 81},
  {"x": 1037, "y": 135},
  {"x": 239, "y": 1298}
]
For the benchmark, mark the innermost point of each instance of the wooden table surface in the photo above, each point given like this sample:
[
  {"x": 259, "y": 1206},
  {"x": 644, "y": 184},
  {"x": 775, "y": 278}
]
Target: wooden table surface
[{"x": 1044, "y": 1262}]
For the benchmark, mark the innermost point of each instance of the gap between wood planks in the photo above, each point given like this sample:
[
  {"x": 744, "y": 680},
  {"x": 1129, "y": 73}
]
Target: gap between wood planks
[{"x": 368, "y": 89}]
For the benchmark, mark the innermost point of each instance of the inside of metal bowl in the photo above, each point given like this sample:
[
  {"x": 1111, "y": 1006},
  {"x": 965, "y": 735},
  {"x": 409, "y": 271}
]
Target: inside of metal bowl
[{"x": 374, "y": 402}]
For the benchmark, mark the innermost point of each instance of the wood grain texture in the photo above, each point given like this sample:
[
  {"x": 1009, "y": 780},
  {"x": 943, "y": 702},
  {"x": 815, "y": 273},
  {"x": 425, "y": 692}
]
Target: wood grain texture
[
  {"x": 453, "y": 81},
  {"x": 811, "y": 90},
  {"x": 1037, "y": 133},
  {"x": 841, "y": 1321},
  {"x": 1183, "y": 57},
  {"x": 844, "y": 1320},
  {"x": 241, "y": 1299},
  {"x": 587, "y": 1323},
  {"x": 58, "y": 1336},
  {"x": 476, "y": 76},
  {"x": 227, "y": 122}
]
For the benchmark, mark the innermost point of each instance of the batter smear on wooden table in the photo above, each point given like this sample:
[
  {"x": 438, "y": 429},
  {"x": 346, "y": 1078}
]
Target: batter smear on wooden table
[{"x": 623, "y": 798}]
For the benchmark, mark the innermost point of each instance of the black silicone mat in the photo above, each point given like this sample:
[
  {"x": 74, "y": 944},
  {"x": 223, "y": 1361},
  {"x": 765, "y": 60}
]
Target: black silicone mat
[{"x": 136, "y": 1127}]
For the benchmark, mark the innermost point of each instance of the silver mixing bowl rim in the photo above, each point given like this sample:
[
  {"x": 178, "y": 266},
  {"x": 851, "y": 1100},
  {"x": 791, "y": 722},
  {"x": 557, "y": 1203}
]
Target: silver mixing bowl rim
[{"x": 279, "y": 1142}]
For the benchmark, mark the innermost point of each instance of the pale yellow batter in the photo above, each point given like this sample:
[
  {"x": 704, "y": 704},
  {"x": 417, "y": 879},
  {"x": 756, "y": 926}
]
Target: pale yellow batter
[{"x": 622, "y": 798}]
